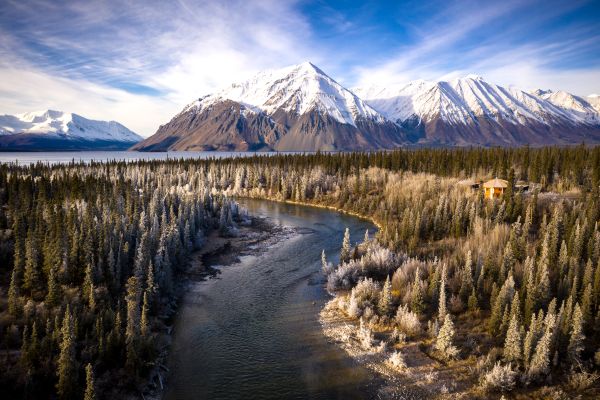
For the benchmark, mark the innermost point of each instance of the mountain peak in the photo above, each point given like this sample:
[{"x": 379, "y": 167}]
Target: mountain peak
[
  {"x": 298, "y": 89},
  {"x": 54, "y": 123},
  {"x": 473, "y": 77}
]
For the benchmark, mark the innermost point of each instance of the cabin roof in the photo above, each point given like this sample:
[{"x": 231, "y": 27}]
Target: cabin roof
[{"x": 496, "y": 183}]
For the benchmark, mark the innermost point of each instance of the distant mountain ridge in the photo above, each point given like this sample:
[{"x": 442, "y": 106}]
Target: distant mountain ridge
[
  {"x": 57, "y": 130},
  {"x": 470, "y": 111}
]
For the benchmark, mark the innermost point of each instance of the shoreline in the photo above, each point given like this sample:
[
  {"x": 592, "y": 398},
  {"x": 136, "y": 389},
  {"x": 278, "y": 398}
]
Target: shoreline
[
  {"x": 316, "y": 205},
  {"x": 421, "y": 377}
]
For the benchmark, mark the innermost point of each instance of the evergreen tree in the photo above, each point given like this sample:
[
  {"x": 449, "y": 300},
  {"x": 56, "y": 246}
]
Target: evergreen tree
[
  {"x": 144, "y": 321},
  {"x": 442, "y": 300},
  {"x": 67, "y": 363},
  {"x": 385, "y": 305},
  {"x": 577, "y": 337},
  {"x": 14, "y": 303},
  {"x": 54, "y": 290},
  {"x": 444, "y": 341},
  {"x": 467, "y": 278},
  {"x": 133, "y": 323},
  {"x": 512, "y": 344},
  {"x": 90, "y": 391},
  {"x": 540, "y": 362},
  {"x": 345, "y": 252},
  {"x": 417, "y": 300},
  {"x": 32, "y": 276}
]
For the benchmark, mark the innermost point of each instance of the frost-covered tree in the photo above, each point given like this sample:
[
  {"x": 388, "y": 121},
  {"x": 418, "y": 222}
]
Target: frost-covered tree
[
  {"x": 577, "y": 338},
  {"x": 417, "y": 296},
  {"x": 442, "y": 298},
  {"x": 90, "y": 390},
  {"x": 512, "y": 343},
  {"x": 346, "y": 248},
  {"x": 385, "y": 305},
  {"x": 540, "y": 362},
  {"x": 444, "y": 342},
  {"x": 133, "y": 323}
]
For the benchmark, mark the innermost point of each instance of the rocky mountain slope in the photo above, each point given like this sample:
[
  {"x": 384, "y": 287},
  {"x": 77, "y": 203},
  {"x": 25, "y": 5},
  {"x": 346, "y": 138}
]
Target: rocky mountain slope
[
  {"x": 57, "y": 130},
  {"x": 297, "y": 108}
]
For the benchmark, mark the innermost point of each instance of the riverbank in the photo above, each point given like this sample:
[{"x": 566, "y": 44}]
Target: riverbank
[
  {"x": 252, "y": 239},
  {"x": 317, "y": 205},
  {"x": 421, "y": 375}
]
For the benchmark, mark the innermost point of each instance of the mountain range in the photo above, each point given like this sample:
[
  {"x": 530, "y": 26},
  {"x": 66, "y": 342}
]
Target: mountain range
[
  {"x": 51, "y": 130},
  {"x": 298, "y": 108},
  {"x": 303, "y": 109}
]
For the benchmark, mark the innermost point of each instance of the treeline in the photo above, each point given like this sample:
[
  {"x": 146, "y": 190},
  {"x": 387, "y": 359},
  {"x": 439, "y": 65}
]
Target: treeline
[{"x": 91, "y": 255}]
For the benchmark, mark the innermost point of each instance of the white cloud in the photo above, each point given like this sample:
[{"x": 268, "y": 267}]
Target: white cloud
[
  {"x": 25, "y": 89},
  {"x": 183, "y": 51}
]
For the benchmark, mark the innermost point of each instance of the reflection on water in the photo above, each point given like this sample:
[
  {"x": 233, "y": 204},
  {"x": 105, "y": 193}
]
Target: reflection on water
[{"x": 253, "y": 332}]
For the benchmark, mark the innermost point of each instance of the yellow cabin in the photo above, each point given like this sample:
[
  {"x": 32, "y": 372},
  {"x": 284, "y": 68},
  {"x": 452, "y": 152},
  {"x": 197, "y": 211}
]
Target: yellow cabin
[{"x": 494, "y": 188}]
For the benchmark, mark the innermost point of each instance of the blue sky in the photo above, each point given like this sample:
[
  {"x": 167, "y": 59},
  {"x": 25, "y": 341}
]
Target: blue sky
[{"x": 140, "y": 62}]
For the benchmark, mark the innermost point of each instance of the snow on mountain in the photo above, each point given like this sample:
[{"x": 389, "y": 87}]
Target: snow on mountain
[
  {"x": 581, "y": 110},
  {"x": 298, "y": 108},
  {"x": 462, "y": 100},
  {"x": 594, "y": 100},
  {"x": 297, "y": 89},
  {"x": 62, "y": 125}
]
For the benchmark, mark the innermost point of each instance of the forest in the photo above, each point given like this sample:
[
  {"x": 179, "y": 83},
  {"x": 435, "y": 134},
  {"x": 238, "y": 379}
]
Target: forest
[{"x": 504, "y": 293}]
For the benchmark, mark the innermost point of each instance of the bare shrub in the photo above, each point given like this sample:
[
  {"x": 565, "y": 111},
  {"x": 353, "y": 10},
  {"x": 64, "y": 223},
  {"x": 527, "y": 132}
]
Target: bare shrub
[
  {"x": 408, "y": 322},
  {"x": 396, "y": 361},
  {"x": 501, "y": 378},
  {"x": 580, "y": 381}
]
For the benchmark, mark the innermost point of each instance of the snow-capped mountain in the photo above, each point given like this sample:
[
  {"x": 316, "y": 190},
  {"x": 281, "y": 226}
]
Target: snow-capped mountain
[
  {"x": 55, "y": 130},
  {"x": 594, "y": 100},
  {"x": 293, "y": 108},
  {"x": 471, "y": 111}
]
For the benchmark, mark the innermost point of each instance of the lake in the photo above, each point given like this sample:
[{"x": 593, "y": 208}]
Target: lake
[{"x": 61, "y": 157}]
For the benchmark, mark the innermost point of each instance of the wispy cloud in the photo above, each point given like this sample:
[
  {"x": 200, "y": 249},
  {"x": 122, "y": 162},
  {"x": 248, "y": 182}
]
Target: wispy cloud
[{"x": 139, "y": 62}]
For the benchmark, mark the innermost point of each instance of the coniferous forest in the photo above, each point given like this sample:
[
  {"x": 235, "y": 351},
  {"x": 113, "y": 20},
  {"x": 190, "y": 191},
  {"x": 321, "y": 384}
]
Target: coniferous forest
[{"x": 502, "y": 294}]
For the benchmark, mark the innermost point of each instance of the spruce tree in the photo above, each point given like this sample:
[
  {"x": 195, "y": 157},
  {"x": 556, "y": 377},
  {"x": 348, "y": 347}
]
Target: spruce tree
[
  {"x": 417, "y": 300},
  {"x": 90, "y": 391},
  {"x": 385, "y": 299},
  {"x": 133, "y": 324},
  {"x": 144, "y": 321},
  {"x": 512, "y": 344},
  {"x": 54, "y": 290},
  {"x": 444, "y": 341},
  {"x": 14, "y": 303},
  {"x": 67, "y": 363},
  {"x": 442, "y": 299},
  {"x": 577, "y": 337},
  {"x": 345, "y": 252},
  {"x": 540, "y": 362}
]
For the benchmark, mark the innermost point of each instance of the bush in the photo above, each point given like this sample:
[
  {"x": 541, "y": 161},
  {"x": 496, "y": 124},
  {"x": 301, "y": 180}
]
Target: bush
[
  {"x": 365, "y": 336},
  {"x": 581, "y": 381},
  {"x": 499, "y": 379},
  {"x": 396, "y": 361},
  {"x": 408, "y": 321}
]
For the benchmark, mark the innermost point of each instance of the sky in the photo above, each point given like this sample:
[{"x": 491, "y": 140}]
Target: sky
[{"x": 141, "y": 62}]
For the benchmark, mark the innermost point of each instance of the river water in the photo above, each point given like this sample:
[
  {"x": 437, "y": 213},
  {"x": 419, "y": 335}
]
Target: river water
[{"x": 253, "y": 332}]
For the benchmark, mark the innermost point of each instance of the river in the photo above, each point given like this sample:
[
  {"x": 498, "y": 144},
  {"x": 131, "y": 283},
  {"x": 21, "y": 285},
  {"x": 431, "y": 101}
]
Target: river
[{"x": 253, "y": 332}]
